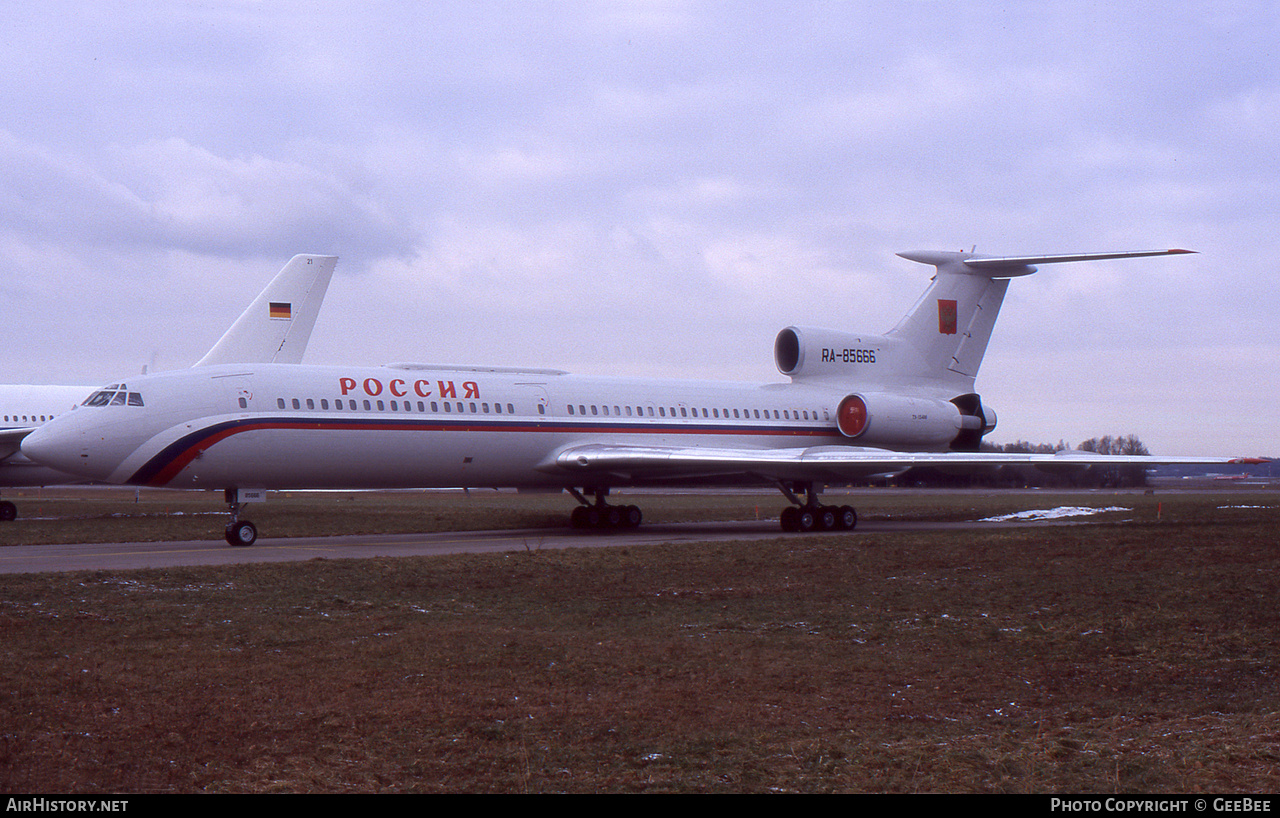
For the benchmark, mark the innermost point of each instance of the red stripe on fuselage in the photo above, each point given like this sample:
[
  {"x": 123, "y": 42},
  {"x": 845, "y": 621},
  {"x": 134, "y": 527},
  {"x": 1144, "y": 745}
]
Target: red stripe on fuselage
[{"x": 182, "y": 458}]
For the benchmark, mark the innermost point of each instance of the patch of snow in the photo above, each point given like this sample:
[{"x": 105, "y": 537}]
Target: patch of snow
[{"x": 1052, "y": 513}]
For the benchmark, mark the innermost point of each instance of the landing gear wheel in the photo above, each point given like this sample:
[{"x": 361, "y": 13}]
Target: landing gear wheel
[
  {"x": 806, "y": 520},
  {"x": 612, "y": 516},
  {"x": 586, "y": 517},
  {"x": 846, "y": 518},
  {"x": 826, "y": 519},
  {"x": 789, "y": 519},
  {"x": 242, "y": 533},
  {"x": 8, "y": 512},
  {"x": 631, "y": 517}
]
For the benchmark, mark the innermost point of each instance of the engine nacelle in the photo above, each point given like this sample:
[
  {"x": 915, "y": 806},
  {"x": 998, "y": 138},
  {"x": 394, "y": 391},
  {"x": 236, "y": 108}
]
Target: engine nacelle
[
  {"x": 976, "y": 420},
  {"x": 802, "y": 351},
  {"x": 879, "y": 419}
]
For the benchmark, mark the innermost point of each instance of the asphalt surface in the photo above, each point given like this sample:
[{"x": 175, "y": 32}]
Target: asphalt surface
[{"x": 18, "y": 559}]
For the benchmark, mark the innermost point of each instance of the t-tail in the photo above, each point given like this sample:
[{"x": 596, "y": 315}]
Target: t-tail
[{"x": 934, "y": 352}]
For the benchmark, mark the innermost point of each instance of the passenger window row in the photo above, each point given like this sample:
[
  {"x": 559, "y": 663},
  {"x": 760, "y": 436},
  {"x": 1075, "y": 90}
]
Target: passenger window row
[
  {"x": 577, "y": 410},
  {"x": 698, "y": 412},
  {"x": 422, "y": 407},
  {"x": 27, "y": 418}
]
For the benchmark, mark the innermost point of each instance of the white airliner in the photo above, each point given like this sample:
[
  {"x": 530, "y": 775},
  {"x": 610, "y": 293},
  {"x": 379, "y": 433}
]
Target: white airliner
[
  {"x": 856, "y": 405},
  {"x": 274, "y": 329}
]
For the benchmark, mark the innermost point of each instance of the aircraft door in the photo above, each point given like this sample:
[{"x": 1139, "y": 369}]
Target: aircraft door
[
  {"x": 237, "y": 392},
  {"x": 534, "y": 400}
]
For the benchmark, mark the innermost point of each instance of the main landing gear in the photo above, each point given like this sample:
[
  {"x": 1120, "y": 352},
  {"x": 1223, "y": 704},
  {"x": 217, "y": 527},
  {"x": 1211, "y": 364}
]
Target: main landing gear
[
  {"x": 805, "y": 516},
  {"x": 600, "y": 514},
  {"x": 810, "y": 515}
]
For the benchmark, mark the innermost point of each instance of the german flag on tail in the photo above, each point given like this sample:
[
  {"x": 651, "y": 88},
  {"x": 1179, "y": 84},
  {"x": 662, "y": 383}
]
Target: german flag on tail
[{"x": 280, "y": 309}]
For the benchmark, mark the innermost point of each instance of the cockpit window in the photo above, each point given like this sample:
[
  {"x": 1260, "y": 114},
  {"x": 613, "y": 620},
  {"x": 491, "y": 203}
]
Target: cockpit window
[{"x": 117, "y": 394}]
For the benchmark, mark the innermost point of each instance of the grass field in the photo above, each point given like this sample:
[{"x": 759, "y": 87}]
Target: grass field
[
  {"x": 1136, "y": 654},
  {"x": 153, "y": 515}
]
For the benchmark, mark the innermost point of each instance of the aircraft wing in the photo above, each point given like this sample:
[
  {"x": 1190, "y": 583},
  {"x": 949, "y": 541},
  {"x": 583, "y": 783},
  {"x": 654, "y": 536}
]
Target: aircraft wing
[
  {"x": 818, "y": 463},
  {"x": 10, "y": 440}
]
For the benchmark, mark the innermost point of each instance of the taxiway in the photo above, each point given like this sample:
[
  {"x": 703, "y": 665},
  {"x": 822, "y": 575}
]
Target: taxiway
[{"x": 18, "y": 559}]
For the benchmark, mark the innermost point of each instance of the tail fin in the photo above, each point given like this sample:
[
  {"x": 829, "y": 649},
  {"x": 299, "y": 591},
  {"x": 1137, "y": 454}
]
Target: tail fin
[
  {"x": 950, "y": 325},
  {"x": 278, "y": 324}
]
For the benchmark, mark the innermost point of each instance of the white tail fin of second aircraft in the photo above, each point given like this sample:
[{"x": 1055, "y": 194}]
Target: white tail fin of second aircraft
[
  {"x": 949, "y": 327},
  {"x": 278, "y": 324}
]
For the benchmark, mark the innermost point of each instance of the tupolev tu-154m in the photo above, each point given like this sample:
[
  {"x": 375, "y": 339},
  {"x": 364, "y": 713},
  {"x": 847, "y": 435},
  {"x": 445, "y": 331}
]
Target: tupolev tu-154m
[{"x": 856, "y": 405}]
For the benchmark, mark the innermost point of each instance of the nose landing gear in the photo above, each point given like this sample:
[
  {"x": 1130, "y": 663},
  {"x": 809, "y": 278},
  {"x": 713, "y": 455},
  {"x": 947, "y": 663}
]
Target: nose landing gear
[{"x": 241, "y": 532}]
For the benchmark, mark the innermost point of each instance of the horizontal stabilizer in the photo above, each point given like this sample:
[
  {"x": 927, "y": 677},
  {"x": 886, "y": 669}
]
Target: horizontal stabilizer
[
  {"x": 1012, "y": 266},
  {"x": 994, "y": 265}
]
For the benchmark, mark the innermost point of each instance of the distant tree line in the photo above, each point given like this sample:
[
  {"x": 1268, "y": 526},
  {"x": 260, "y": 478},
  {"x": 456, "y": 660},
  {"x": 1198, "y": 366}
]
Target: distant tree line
[{"x": 1028, "y": 476}]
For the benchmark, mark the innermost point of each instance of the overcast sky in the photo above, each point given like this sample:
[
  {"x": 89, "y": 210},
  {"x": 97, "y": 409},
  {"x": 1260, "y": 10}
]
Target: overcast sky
[{"x": 656, "y": 188}]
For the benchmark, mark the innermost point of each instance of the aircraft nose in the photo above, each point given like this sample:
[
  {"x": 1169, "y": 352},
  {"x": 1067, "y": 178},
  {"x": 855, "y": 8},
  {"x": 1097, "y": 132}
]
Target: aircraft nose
[{"x": 59, "y": 445}]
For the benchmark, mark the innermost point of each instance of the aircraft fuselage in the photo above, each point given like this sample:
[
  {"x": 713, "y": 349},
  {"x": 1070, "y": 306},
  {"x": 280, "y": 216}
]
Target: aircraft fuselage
[{"x": 296, "y": 427}]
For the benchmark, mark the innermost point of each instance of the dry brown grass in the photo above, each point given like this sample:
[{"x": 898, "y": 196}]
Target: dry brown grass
[{"x": 1135, "y": 657}]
